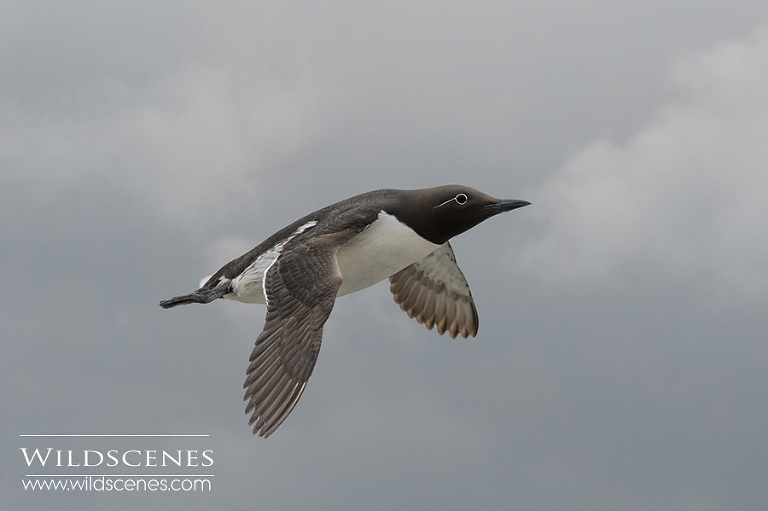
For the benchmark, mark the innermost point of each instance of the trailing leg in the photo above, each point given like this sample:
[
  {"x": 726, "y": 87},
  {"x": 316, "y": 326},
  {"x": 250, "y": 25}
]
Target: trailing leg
[{"x": 198, "y": 296}]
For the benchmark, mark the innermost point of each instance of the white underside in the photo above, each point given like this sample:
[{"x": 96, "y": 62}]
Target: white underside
[{"x": 384, "y": 248}]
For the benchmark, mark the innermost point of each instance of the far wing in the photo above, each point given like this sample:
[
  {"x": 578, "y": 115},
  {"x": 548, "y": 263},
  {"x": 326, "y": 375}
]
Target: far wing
[{"x": 434, "y": 292}]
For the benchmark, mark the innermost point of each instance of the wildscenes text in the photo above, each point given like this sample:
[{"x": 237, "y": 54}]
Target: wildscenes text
[
  {"x": 131, "y": 458},
  {"x": 118, "y": 484}
]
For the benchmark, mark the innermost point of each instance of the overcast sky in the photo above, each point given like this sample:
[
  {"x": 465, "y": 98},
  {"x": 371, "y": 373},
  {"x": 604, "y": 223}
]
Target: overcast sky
[{"x": 621, "y": 361}]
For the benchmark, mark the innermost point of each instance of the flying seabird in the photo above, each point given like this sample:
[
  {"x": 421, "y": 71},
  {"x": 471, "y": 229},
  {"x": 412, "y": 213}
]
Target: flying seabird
[{"x": 300, "y": 270}]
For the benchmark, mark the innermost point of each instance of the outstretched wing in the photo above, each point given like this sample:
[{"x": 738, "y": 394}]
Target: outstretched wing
[
  {"x": 300, "y": 287},
  {"x": 434, "y": 292}
]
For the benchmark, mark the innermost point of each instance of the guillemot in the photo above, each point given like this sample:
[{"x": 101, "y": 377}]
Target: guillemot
[{"x": 300, "y": 270}]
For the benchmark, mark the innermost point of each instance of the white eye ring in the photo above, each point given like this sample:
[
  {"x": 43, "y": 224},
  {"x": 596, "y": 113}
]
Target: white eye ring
[{"x": 460, "y": 199}]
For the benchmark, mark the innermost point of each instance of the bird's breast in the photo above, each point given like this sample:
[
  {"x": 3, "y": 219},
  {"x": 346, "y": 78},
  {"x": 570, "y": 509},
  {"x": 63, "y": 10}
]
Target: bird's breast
[{"x": 384, "y": 248}]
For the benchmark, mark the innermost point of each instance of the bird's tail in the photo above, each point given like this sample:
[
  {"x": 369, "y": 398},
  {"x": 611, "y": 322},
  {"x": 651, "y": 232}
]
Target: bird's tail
[{"x": 199, "y": 296}]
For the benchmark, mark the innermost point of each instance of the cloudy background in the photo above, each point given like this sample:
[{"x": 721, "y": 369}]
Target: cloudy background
[{"x": 621, "y": 361}]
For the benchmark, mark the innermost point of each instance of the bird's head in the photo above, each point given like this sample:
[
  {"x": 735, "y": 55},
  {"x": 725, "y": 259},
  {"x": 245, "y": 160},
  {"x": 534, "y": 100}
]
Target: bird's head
[{"x": 453, "y": 210}]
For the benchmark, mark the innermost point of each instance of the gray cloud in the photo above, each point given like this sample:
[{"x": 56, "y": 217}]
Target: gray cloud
[{"x": 683, "y": 194}]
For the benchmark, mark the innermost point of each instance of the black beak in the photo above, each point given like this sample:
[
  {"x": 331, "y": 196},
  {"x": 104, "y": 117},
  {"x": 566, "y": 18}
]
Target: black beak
[{"x": 506, "y": 205}]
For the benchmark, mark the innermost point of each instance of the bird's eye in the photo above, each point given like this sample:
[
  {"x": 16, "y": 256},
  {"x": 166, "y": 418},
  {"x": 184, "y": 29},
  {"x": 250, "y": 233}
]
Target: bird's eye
[{"x": 460, "y": 199}]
